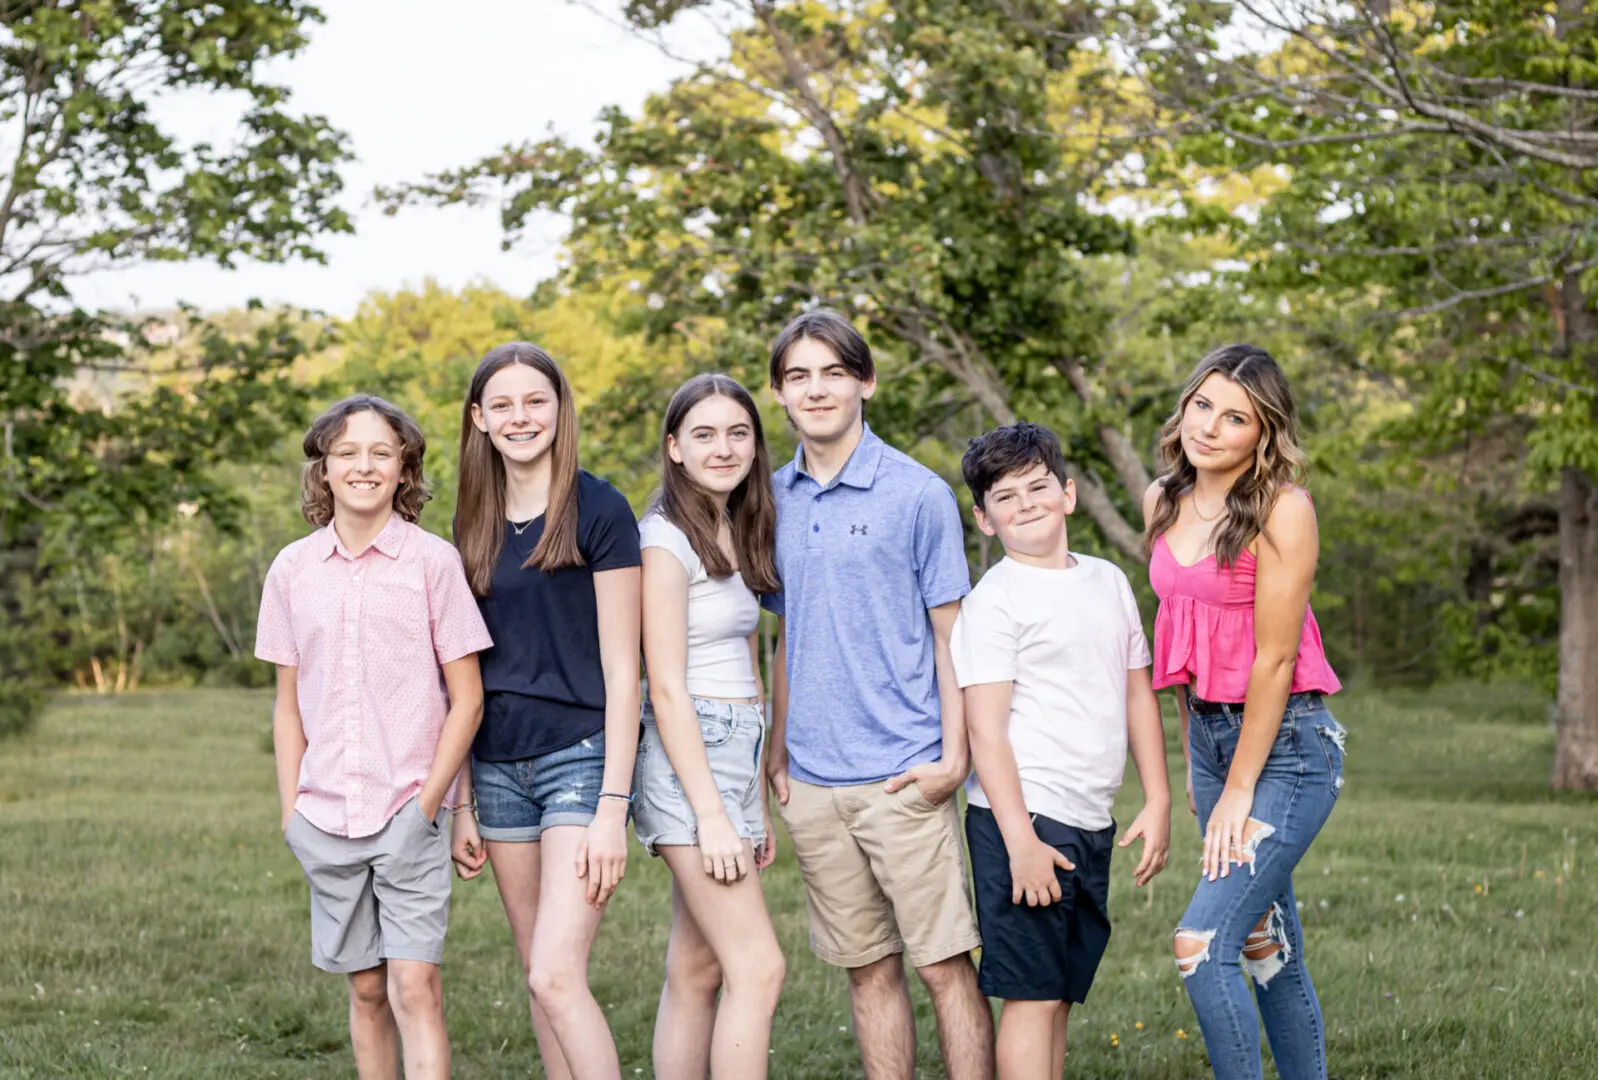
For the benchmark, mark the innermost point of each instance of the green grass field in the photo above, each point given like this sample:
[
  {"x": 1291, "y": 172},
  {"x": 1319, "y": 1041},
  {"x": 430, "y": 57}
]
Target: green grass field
[{"x": 155, "y": 925}]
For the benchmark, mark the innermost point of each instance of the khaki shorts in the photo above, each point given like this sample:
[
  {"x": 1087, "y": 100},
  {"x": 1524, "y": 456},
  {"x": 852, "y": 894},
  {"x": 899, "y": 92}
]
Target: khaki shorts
[{"x": 884, "y": 874}]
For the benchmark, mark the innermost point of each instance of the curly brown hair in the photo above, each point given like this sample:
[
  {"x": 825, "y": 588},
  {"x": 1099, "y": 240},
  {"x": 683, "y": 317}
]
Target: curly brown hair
[{"x": 316, "y": 498}]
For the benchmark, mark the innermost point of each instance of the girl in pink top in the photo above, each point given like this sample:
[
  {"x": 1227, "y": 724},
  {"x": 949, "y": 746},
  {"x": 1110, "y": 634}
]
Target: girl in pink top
[{"x": 1232, "y": 546}]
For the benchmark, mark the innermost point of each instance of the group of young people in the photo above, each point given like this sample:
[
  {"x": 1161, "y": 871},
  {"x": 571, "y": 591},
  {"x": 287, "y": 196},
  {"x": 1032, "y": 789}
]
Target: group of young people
[{"x": 497, "y": 680}]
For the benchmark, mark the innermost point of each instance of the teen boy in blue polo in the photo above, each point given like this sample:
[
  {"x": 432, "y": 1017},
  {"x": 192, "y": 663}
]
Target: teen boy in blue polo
[{"x": 868, "y": 741}]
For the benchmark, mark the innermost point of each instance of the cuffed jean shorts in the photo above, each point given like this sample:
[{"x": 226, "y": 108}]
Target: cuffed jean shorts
[
  {"x": 734, "y": 735},
  {"x": 518, "y": 800}
]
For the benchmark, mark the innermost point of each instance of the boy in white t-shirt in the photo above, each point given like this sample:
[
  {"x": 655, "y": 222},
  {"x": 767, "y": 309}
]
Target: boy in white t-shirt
[{"x": 1050, "y": 652}]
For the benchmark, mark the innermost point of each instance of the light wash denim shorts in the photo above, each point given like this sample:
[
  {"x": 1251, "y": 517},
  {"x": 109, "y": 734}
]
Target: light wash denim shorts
[{"x": 734, "y": 735}]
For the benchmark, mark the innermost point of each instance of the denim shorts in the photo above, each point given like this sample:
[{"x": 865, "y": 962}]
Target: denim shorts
[
  {"x": 518, "y": 800},
  {"x": 734, "y": 735}
]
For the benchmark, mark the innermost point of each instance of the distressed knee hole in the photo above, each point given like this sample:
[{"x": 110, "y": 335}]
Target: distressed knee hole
[
  {"x": 1192, "y": 949},
  {"x": 1267, "y": 950}
]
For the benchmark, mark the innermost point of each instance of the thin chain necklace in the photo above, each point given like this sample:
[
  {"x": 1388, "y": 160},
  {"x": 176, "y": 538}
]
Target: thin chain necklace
[
  {"x": 1200, "y": 516},
  {"x": 524, "y": 526}
]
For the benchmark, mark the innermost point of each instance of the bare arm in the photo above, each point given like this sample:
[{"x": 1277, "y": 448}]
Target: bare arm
[
  {"x": 618, "y": 595},
  {"x": 464, "y": 681},
  {"x": 777, "y": 746},
  {"x": 1284, "y": 575},
  {"x": 938, "y": 780},
  {"x": 1283, "y": 578},
  {"x": 987, "y": 709},
  {"x": 1145, "y": 736},
  {"x": 288, "y": 740},
  {"x": 665, "y": 601}
]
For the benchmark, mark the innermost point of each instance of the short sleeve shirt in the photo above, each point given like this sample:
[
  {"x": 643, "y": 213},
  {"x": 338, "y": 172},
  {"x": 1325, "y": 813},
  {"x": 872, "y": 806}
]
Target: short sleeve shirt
[
  {"x": 543, "y": 684},
  {"x": 722, "y": 613},
  {"x": 368, "y": 634},
  {"x": 1065, "y": 639},
  {"x": 862, "y": 559}
]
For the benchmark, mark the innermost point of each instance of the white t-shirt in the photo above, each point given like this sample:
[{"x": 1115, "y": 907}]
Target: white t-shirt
[
  {"x": 722, "y": 613},
  {"x": 1066, "y": 639}
]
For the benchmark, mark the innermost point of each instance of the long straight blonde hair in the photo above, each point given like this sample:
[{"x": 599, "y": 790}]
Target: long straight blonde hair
[{"x": 1278, "y": 460}]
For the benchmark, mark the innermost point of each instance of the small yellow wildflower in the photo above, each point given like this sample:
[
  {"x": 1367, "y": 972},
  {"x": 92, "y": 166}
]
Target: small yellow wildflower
[
  {"x": 1138, "y": 1025},
  {"x": 1478, "y": 890},
  {"x": 1180, "y": 1034}
]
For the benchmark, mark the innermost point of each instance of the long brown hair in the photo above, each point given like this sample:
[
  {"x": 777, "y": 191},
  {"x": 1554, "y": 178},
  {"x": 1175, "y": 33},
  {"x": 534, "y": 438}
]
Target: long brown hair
[
  {"x": 316, "y": 498},
  {"x": 1278, "y": 460},
  {"x": 480, "y": 494},
  {"x": 751, "y": 508}
]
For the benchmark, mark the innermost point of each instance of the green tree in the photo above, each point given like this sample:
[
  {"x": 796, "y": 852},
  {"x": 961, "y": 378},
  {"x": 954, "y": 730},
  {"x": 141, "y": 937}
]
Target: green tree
[
  {"x": 100, "y": 428},
  {"x": 900, "y": 162},
  {"x": 1435, "y": 226}
]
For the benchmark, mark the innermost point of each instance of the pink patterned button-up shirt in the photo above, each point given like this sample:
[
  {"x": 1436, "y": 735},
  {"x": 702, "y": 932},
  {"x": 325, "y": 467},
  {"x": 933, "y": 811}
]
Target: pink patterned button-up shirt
[{"x": 369, "y": 634}]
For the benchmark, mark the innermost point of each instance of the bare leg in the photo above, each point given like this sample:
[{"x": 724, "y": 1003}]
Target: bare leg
[
  {"x": 733, "y": 920},
  {"x": 884, "y": 1024},
  {"x": 562, "y": 939},
  {"x": 516, "y": 872},
  {"x": 373, "y": 1034},
  {"x": 965, "y": 1022},
  {"x": 687, "y": 1013},
  {"x": 417, "y": 996},
  {"x": 1031, "y": 1040},
  {"x": 1060, "y": 1017}
]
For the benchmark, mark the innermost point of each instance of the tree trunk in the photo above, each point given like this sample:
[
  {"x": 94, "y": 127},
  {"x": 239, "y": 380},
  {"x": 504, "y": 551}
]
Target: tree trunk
[{"x": 1576, "y": 745}]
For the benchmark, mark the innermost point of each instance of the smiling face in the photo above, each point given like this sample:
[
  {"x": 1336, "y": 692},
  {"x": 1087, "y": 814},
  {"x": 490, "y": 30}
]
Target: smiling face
[
  {"x": 363, "y": 465},
  {"x": 518, "y": 411},
  {"x": 1220, "y": 426},
  {"x": 714, "y": 444},
  {"x": 824, "y": 399},
  {"x": 1026, "y": 510}
]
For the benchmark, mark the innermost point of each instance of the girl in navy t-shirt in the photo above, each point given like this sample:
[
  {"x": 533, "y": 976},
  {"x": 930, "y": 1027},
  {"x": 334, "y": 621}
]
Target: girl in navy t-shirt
[{"x": 552, "y": 556}]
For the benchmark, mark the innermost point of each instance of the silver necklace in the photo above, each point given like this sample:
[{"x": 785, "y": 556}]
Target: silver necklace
[{"x": 519, "y": 529}]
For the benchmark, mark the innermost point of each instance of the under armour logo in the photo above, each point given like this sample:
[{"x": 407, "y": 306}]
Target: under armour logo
[{"x": 857, "y": 530}]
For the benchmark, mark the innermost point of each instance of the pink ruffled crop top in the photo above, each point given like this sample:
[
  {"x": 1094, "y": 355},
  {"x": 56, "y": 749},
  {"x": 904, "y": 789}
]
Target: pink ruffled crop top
[{"x": 1204, "y": 631}]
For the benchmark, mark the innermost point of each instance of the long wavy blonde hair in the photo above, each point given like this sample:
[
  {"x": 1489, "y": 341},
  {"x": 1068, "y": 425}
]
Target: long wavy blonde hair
[{"x": 1278, "y": 459}]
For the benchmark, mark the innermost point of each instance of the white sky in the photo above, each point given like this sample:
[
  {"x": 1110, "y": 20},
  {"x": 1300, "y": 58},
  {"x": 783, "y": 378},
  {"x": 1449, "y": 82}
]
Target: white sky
[{"x": 418, "y": 86}]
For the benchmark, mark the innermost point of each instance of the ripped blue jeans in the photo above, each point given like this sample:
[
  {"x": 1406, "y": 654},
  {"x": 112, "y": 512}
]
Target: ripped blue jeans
[{"x": 1293, "y": 798}]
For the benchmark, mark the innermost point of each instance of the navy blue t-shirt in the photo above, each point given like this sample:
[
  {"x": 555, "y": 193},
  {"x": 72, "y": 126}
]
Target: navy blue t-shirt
[{"x": 543, "y": 685}]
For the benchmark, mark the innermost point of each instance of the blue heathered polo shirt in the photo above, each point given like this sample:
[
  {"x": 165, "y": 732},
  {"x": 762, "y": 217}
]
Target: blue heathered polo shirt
[{"x": 862, "y": 559}]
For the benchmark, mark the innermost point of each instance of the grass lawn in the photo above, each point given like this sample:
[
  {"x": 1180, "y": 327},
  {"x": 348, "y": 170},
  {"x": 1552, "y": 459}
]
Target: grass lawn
[{"x": 155, "y": 925}]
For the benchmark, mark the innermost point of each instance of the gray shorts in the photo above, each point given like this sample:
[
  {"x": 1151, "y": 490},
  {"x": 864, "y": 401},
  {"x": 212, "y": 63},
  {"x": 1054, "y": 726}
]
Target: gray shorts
[
  {"x": 733, "y": 737},
  {"x": 379, "y": 897}
]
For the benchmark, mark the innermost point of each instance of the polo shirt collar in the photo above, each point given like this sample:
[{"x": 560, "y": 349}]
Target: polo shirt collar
[
  {"x": 860, "y": 471},
  {"x": 388, "y": 542}
]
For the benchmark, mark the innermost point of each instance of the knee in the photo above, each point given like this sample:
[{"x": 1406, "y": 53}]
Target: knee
[
  {"x": 416, "y": 991},
  {"x": 759, "y": 976},
  {"x": 1192, "y": 948},
  {"x": 369, "y": 990},
  {"x": 879, "y": 976},
  {"x": 1268, "y": 948},
  {"x": 554, "y": 984},
  {"x": 951, "y": 976},
  {"x": 693, "y": 971}
]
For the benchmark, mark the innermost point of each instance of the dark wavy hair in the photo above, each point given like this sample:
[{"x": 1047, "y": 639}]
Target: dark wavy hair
[
  {"x": 316, "y": 498},
  {"x": 480, "y": 491},
  {"x": 1278, "y": 460},
  {"x": 751, "y": 508},
  {"x": 993, "y": 455}
]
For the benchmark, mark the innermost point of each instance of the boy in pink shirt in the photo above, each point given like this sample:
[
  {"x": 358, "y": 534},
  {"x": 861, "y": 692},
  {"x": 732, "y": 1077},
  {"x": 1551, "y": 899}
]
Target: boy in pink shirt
[{"x": 375, "y": 634}]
